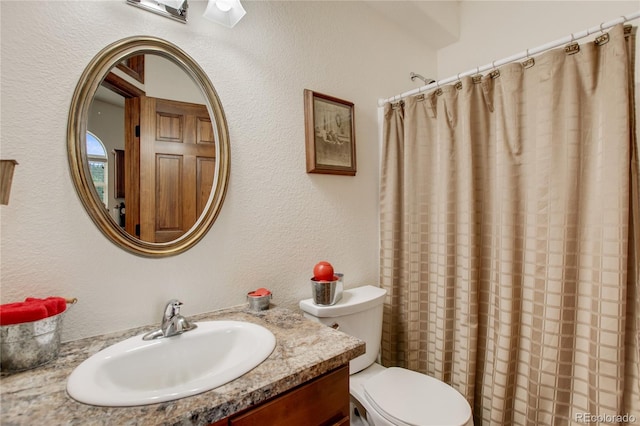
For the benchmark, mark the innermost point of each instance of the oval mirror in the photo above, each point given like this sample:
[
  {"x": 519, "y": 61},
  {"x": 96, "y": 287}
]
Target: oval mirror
[{"x": 148, "y": 146}]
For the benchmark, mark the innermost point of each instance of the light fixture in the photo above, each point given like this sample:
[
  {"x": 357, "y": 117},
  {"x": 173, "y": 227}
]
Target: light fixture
[
  {"x": 173, "y": 9},
  {"x": 225, "y": 12},
  {"x": 175, "y": 4}
]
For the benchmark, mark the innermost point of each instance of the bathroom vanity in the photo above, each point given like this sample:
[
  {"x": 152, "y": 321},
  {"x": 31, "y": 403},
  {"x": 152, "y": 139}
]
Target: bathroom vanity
[
  {"x": 318, "y": 402},
  {"x": 305, "y": 380}
]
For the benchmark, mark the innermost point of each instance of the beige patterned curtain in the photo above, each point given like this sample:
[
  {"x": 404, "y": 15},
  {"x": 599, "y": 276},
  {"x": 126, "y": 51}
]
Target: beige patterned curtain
[{"x": 510, "y": 238}]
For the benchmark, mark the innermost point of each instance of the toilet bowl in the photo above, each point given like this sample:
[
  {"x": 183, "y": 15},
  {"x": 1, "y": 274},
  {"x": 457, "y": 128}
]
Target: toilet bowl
[
  {"x": 400, "y": 397},
  {"x": 386, "y": 396}
]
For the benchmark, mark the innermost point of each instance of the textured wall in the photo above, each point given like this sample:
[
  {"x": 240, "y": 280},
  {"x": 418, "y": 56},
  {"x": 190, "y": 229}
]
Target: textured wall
[{"x": 277, "y": 220}]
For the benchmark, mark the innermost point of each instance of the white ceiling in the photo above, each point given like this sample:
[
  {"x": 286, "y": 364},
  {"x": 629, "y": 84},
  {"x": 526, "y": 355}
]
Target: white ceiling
[{"x": 436, "y": 23}]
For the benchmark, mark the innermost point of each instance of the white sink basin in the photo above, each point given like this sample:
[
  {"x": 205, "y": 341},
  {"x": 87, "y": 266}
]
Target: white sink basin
[{"x": 139, "y": 372}]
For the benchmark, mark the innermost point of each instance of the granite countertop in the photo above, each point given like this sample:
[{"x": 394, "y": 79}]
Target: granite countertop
[{"x": 304, "y": 350}]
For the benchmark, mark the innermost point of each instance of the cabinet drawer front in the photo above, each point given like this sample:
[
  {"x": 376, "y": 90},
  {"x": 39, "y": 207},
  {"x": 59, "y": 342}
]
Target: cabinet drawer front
[{"x": 322, "y": 402}]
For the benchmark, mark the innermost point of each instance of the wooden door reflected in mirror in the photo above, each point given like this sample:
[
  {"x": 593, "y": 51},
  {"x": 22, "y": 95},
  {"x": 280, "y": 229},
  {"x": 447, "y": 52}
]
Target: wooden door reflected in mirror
[{"x": 177, "y": 167}]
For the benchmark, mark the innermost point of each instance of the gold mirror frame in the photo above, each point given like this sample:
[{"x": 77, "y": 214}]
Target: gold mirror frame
[{"x": 83, "y": 96}]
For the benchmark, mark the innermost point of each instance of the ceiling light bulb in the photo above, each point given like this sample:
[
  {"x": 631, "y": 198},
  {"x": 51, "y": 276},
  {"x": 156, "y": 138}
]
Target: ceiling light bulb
[
  {"x": 224, "y": 12},
  {"x": 223, "y": 5}
]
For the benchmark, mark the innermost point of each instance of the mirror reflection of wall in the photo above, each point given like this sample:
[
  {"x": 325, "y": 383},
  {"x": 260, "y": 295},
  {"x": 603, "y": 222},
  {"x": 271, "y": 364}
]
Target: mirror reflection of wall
[{"x": 165, "y": 79}]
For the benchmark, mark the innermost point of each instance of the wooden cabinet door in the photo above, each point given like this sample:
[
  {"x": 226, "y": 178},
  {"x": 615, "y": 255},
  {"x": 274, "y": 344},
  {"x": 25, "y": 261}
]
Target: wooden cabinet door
[
  {"x": 177, "y": 165},
  {"x": 322, "y": 402}
]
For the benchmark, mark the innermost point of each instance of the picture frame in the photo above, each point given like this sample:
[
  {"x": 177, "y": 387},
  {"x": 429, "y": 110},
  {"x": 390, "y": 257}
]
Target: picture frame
[{"x": 329, "y": 134}]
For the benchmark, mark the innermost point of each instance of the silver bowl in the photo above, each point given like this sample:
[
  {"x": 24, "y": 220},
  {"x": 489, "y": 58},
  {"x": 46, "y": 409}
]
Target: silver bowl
[
  {"x": 30, "y": 344},
  {"x": 326, "y": 293},
  {"x": 259, "y": 303}
]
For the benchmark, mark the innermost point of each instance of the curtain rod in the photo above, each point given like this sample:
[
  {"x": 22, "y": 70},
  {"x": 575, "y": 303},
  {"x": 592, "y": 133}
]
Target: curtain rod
[{"x": 529, "y": 52}]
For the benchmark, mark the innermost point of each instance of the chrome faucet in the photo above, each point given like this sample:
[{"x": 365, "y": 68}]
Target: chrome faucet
[{"x": 172, "y": 322}]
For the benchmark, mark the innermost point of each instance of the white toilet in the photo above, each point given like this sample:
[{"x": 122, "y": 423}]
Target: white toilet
[{"x": 389, "y": 396}]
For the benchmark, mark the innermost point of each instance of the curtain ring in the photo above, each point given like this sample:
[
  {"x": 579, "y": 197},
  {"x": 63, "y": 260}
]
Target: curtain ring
[
  {"x": 528, "y": 61},
  {"x": 477, "y": 77},
  {"x": 458, "y": 84},
  {"x": 438, "y": 91},
  {"x": 572, "y": 47},
  {"x": 496, "y": 72}
]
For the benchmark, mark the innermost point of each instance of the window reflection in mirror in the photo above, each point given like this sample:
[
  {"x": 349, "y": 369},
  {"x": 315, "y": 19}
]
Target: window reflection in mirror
[{"x": 97, "y": 156}]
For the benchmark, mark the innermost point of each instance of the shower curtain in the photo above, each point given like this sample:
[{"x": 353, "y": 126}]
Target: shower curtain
[{"x": 510, "y": 223}]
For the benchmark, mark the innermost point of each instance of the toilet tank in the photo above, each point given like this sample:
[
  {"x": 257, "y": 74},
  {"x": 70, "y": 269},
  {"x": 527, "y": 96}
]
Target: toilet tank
[{"x": 359, "y": 314}]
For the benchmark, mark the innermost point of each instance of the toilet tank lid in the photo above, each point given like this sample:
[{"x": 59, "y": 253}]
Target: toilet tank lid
[{"x": 353, "y": 300}]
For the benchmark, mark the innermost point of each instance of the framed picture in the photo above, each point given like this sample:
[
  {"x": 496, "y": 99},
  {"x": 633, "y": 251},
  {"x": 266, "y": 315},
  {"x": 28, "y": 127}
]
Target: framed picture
[{"x": 330, "y": 134}]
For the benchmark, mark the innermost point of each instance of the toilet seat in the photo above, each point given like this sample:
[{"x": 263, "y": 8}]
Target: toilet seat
[{"x": 408, "y": 398}]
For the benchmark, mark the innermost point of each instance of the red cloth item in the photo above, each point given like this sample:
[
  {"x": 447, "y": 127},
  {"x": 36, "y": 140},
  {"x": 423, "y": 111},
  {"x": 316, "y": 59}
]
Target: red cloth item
[
  {"x": 32, "y": 309},
  {"x": 54, "y": 305},
  {"x": 16, "y": 313}
]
